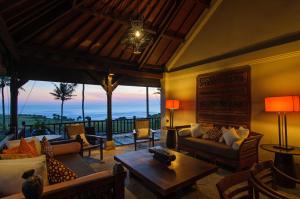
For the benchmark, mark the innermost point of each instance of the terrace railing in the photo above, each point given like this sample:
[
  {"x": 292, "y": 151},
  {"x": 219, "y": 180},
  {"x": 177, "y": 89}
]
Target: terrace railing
[{"x": 119, "y": 126}]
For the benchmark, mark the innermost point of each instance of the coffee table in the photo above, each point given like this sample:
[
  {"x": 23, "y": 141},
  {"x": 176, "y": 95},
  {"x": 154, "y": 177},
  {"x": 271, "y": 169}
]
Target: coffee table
[{"x": 164, "y": 180}]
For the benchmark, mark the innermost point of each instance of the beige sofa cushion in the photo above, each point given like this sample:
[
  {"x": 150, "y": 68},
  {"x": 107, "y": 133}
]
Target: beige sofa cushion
[{"x": 11, "y": 172}]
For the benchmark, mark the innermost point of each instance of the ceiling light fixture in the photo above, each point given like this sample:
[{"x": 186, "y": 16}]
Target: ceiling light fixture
[{"x": 137, "y": 38}]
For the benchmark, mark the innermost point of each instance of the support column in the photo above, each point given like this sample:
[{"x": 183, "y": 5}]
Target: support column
[
  {"x": 109, "y": 87},
  {"x": 109, "y": 108},
  {"x": 147, "y": 102},
  {"x": 14, "y": 105}
]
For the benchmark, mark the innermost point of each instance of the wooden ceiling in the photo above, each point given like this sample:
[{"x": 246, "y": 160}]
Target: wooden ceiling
[{"x": 83, "y": 37}]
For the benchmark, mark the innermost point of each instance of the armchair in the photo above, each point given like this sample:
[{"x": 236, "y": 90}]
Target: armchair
[
  {"x": 76, "y": 131},
  {"x": 235, "y": 185},
  {"x": 142, "y": 132},
  {"x": 263, "y": 179}
]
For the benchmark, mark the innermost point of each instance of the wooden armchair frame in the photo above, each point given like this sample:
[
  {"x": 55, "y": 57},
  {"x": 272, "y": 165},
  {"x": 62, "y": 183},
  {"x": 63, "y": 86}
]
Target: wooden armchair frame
[
  {"x": 91, "y": 146},
  {"x": 263, "y": 178},
  {"x": 234, "y": 185},
  {"x": 151, "y": 133}
]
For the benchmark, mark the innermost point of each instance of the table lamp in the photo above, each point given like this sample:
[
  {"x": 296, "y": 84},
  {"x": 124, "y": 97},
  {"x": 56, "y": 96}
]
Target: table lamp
[
  {"x": 172, "y": 105},
  {"x": 282, "y": 105}
]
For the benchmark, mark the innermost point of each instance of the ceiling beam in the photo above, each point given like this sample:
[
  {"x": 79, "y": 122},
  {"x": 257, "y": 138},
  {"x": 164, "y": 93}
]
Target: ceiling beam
[
  {"x": 163, "y": 28},
  {"x": 34, "y": 15},
  {"x": 8, "y": 40},
  {"x": 57, "y": 53},
  {"x": 63, "y": 60},
  {"x": 67, "y": 54},
  {"x": 48, "y": 24},
  {"x": 126, "y": 23}
]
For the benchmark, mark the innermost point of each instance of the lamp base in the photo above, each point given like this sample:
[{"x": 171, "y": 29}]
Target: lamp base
[{"x": 287, "y": 148}]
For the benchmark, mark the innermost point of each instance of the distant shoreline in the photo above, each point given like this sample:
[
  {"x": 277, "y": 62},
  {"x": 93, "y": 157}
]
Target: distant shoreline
[{"x": 31, "y": 119}]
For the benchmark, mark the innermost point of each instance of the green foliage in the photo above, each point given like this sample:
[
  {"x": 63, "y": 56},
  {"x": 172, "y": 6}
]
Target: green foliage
[
  {"x": 63, "y": 91},
  {"x": 39, "y": 127},
  {"x": 158, "y": 91},
  {"x": 4, "y": 81}
]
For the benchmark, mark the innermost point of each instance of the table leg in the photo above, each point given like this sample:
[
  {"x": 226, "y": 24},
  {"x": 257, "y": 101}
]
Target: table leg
[
  {"x": 101, "y": 150},
  {"x": 285, "y": 163},
  {"x": 171, "y": 138}
]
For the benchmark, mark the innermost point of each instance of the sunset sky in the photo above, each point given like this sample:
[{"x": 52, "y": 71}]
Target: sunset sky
[
  {"x": 125, "y": 98},
  {"x": 122, "y": 94}
]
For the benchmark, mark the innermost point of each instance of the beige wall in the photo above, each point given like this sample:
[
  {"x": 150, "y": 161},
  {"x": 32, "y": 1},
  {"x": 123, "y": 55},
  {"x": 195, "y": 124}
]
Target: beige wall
[
  {"x": 281, "y": 77},
  {"x": 241, "y": 23},
  {"x": 274, "y": 71}
]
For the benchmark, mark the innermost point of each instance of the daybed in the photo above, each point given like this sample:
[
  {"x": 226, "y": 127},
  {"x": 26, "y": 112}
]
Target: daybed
[{"x": 88, "y": 184}]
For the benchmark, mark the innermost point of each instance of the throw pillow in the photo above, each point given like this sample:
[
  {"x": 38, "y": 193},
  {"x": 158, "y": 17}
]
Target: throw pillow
[
  {"x": 77, "y": 129},
  {"x": 221, "y": 139},
  {"x": 47, "y": 149},
  {"x": 11, "y": 172},
  {"x": 197, "y": 130},
  {"x": 142, "y": 133},
  {"x": 82, "y": 136},
  {"x": 243, "y": 132},
  {"x": 28, "y": 148},
  {"x": 236, "y": 145},
  {"x": 230, "y": 136},
  {"x": 16, "y": 143},
  {"x": 184, "y": 132},
  {"x": 214, "y": 134},
  {"x": 13, "y": 156},
  {"x": 13, "y": 150},
  {"x": 58, "y": 172}
]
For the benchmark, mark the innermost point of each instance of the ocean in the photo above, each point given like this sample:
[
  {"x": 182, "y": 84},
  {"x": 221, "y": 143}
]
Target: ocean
[{"x": 95, "y": 111}]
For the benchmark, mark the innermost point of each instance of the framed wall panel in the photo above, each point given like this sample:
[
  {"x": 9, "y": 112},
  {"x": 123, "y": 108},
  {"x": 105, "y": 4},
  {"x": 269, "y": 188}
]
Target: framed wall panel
[{"x": 224, "y": 97}]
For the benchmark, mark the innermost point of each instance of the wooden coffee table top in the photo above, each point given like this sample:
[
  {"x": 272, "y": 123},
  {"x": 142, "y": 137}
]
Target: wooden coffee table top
[{"x": 184, "y": 171}]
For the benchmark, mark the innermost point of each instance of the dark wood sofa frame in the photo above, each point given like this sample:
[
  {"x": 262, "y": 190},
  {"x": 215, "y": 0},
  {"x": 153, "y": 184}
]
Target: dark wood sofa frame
[
  {"x": 248, "y": 152},
  {"x": 107, "y": 184}
]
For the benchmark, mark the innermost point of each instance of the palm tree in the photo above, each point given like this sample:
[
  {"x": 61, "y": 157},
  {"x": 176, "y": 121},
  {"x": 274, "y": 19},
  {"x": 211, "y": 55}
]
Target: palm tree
[
  {"x": 158, "y": 91},
  {"x": 4, "y": 81},
  {"x": 82, "y": 102},
  {"x": 63, "y": 92}
]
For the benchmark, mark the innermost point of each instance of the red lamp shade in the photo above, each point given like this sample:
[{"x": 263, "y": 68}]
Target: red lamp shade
[
  {"x": 282, "y": 104},
  {"x": 172, "y": 104}
]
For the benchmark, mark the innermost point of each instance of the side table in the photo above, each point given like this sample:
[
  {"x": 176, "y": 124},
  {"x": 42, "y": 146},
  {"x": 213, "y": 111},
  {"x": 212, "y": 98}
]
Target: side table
[
  {"x": 284, "y": 161},
  {"x": 171, "y": 138}
]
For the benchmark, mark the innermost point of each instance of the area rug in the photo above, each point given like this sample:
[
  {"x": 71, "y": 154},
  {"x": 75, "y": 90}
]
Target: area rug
[{"x": 205, "y": 188}]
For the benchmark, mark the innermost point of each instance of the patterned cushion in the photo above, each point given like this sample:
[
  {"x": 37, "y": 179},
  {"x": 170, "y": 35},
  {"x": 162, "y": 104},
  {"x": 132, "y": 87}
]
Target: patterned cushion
[
  {"x": 47, "y": 149},
  {"x": 58, "y": 172},
  {"x": 214, "y": 134}
]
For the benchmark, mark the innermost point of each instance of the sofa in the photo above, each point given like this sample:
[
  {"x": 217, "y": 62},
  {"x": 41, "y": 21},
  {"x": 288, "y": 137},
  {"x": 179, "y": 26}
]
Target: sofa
[
  {"x": 217, "y": 152},
  {"x": 88, "y": 184}
]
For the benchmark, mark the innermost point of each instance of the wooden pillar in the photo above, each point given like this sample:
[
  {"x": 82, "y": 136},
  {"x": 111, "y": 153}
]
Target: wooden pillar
[
  {"x": 14, "y": 105},
  {"x": 109, "y": 86},
  {"x": 109, "y": 91},
  {"x": 147, "y": 102}
]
